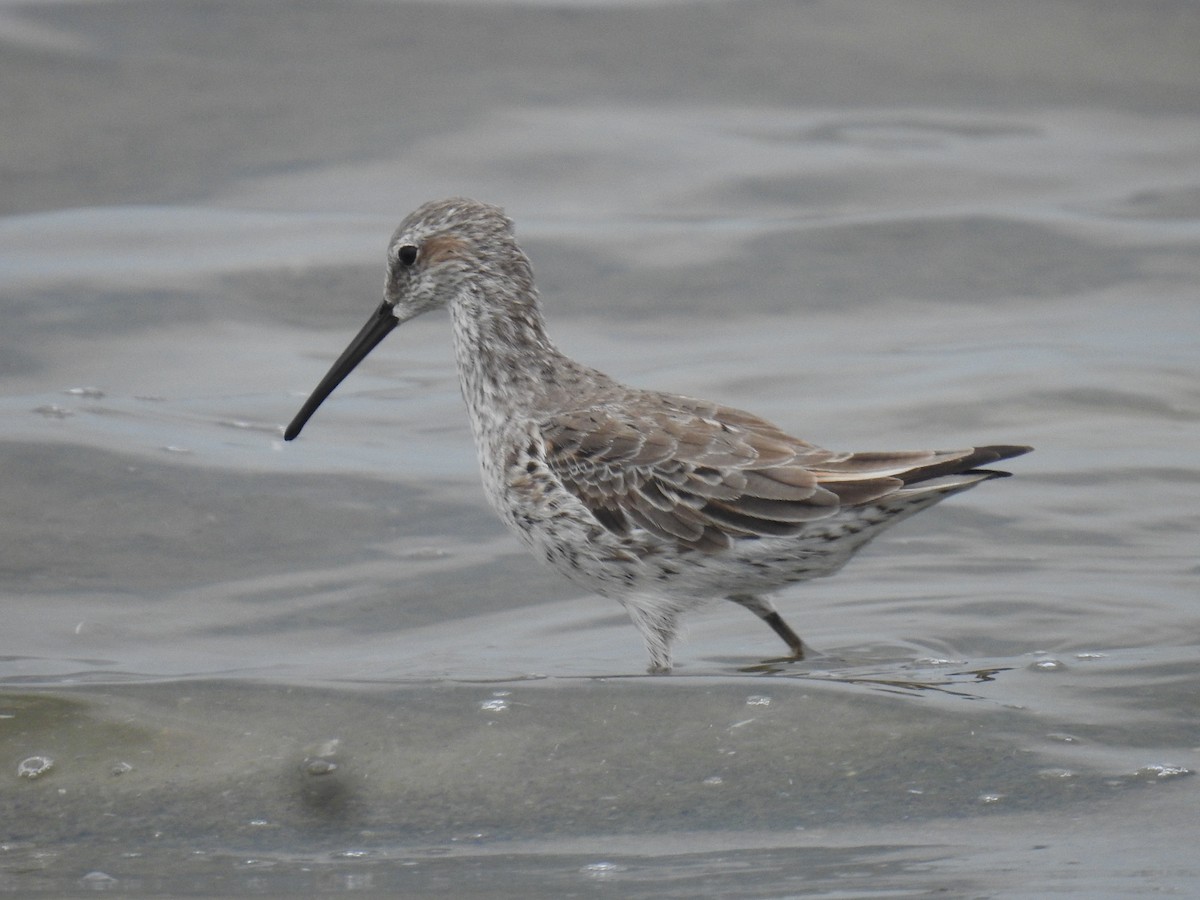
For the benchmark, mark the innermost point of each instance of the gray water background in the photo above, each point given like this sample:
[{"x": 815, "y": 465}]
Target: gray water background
[{"x": 323, "y": 667}]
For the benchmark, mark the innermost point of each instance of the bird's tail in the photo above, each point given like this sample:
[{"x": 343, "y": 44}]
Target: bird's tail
[{"x": 964, "y": 464}]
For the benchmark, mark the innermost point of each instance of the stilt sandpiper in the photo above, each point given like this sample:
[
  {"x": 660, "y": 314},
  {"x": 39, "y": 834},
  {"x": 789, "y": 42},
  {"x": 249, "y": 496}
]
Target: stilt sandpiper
[{"x": 657, "y": 500}]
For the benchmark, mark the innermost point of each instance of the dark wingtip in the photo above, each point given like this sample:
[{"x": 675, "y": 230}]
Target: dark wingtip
[
  {"x": 980, "y": 456},
  {"x": 1007, "y": 451},
  {"x": 995, "y": 453},
  {"x": 985, "y": 456}
]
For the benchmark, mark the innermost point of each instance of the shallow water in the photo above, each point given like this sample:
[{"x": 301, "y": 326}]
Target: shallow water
[{"x": 240, "y": 666}]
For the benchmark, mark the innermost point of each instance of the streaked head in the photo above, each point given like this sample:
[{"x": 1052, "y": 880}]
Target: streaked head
[
  {"x": 443, "y": 245},
  {"x": 439, "y": 252}
]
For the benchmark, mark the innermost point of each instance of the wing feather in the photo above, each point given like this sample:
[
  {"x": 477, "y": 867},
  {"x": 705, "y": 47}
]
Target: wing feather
[
  {"x": 703, "y": 475},
  {"x": 700, "y": 476}
]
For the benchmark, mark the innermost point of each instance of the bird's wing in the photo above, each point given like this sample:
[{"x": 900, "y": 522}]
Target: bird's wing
[{"x": 703, "y": 475}]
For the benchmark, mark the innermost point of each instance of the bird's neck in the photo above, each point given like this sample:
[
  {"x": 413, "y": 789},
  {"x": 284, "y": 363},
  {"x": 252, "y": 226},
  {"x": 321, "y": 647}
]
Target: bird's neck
[{"x": 505, "y": 359}]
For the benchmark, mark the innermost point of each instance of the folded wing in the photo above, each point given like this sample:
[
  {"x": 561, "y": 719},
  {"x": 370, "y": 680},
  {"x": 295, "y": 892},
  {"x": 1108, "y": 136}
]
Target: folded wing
[{"x": 704, "y": 475}]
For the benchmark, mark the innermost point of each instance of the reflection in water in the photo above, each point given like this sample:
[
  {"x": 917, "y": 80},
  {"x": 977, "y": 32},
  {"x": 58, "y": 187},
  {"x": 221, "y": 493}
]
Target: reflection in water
[{"x": 923, "y": 679}]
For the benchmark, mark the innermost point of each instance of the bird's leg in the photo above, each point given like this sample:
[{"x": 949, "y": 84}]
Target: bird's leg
[
  {"x": 766, "y": 611},
  {"x": 657, "y": 628}
]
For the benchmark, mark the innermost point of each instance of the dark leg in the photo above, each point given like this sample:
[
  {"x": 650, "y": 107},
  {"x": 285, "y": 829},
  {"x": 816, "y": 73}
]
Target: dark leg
[
  {"x": 775, "y": 620},
  {"x": 763, "y": 608}
]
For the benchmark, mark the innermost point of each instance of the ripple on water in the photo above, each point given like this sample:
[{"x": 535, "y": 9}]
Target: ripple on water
[
  {"x": 53, "y": 411},
  {"x": 1160, "y": 771},
  {"x": 498, "y": 702},
  {"x": 602, "y": 869}
]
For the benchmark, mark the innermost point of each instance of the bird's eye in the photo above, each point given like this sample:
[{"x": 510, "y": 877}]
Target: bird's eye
[{"x": 407, "y": 255}]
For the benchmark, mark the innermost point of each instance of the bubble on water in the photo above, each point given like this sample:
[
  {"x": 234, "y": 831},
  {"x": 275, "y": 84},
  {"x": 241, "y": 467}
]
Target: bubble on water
[
  {"x": 990, "y": 798},
  {"x": 120, "y": 768},
  {"x": 174, "y": 448},
  {"x": 758, "y": 700},
  {"x": 496, "y": 704},
  {"x": 317, "y": 759},
  {"x": 938, "y": 661},
  {"x": 1048, "y": 665},
  {"x": 90, "y": 393},
  {"x": 601, "y": 869},
  {"x": 1063, "y": 737},
  {"x": 34, "y": 766},
  {"x": 1162, "y": 771},
  {"x": 713, "y": 780},
  {"x": 315, "y": 766},
  {"x": 1091, "y": 655},
  {"x": 98, "y": 881}
]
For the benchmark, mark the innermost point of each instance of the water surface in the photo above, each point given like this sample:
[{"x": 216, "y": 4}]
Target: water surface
[{"x": 243, "y": 666}]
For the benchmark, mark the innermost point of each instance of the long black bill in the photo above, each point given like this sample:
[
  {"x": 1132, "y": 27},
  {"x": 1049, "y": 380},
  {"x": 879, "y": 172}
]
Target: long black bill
[{"x": 381, "y": 322}]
